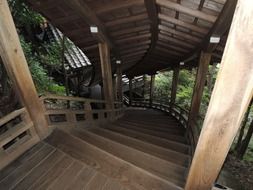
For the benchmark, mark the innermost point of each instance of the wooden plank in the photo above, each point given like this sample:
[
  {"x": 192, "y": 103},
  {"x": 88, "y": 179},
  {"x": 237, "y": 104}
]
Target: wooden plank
[
  {"x": 112, "y": 185},
  {"x": 18, "y": 71},
  {"x": 186, "y": 10},
  {"x": 39, "y": 171},
  {"x": 83, "y": 179},
  {"x": 126, "y": 20},
  {"x": 67, "y": 177},
  {"x": 118, "y": 5},
  {"x": 164, "y": 169},
  {"x": 165, "y": 143},
  {"x": 19, "y": 174},
  {"x": 200, "y": 82},
  {"x": 125, "y": 172},
  {"x": 229, "y": 101},
  {"x": 183, "y": 24},
  {"x": 104, "y": 53},
  {"x": 14, "y": 132},
  {"x": 46, "y": 180},
  {"x": 22, "y": 159},
  {"x": 119, "y": 83},
  {"x": 160, "y": 152},
  {"x": 179, "y": 33},
  {"x": 11, "y": 116},
  {"x": 97, "y": 182}
]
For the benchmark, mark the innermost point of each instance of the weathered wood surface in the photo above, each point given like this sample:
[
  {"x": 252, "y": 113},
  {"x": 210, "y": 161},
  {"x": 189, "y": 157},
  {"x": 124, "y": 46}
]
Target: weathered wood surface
[
  {"x": 18, "y": 71},
  {"x": 104, "y": 52},
  {"x": 198, "y": 90},
  {"x": 231, "y": 96}
]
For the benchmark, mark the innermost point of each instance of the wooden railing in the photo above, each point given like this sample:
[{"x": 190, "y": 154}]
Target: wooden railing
[
  {"x": 17, "y": 134},
  {"x": 73, "y": 111},
  {"x": 176, "y": 111}
]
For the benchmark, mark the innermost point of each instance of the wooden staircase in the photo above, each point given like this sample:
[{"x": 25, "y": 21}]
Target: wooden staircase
[{"x": 145, "y": 149}]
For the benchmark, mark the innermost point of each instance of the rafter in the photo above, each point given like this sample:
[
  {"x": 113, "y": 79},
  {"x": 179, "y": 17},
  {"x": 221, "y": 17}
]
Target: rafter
[
  {"x": 127, "y": 20},
  {"x": 107, "y": 7},
  {"x": 183, "y": 24},
  {"x": 186, "y": 10}
]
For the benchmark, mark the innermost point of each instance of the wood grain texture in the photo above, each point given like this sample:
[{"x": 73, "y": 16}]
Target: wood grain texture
[
  {"x": 231, "y": 96},
  {"x": 18, "y": 71}
]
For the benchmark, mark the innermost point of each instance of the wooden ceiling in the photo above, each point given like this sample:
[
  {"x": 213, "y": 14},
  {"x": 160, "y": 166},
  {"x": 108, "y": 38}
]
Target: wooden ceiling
[{"x": 147, "y": 35}]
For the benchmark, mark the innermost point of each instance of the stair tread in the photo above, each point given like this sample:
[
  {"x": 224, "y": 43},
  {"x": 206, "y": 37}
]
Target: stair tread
[
  {"x": 163, "y": 153},
  {"x": 127, "y": 173},
  {"x": 176, "y": 130},
  {"x": 165, "y": 143},
  {"x": 173, "y": 137},
  {"x": 167, "y": 170}
]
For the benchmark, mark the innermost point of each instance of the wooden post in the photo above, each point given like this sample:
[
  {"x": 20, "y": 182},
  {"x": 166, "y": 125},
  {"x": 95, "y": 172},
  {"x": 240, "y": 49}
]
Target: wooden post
[
  {"x": 130, "y": 91},
  {"x": 119, "y": 83},
  {"x": 200, "y": 81},
  {"x": 174, "y": 86},
  {"x": 230, "y": 99},
  {"x": 151, "y": 92},
  {"x": 104, "y": 53},
  {"x": 144, "y": 86},
  {"x": 18, "y": 71}
]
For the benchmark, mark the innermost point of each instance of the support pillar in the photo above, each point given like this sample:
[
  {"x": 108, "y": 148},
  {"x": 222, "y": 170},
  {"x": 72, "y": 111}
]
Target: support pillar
[
  {"x": 104, "y": 53},
  {"x": 174, "y": 86},
  {"x": 230, "y": 99},
  {"x": 18, "y": 71},
  {"x": 119, "y": 83},
  {"x": 151, "y": 92},
  {"x": 130, "y": 91},
  {"x": 198, "y": 90}
]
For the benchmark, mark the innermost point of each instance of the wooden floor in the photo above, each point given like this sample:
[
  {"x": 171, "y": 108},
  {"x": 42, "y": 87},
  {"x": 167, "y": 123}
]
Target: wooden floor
[{"x": 145, "y": 149}]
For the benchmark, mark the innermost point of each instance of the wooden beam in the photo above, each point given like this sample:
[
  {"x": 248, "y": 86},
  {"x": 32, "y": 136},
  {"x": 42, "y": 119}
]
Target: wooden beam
[
  {"x": 176, "y": 41},
  {"x": 126, "y": 20},
  {"x": 109, "y": 7},
  {"x": 130, "y": 91},
  {"x": 119, "y": 82},
  {"x": 230, "y": 99},
  {"x": 200, "y": 82},
  {"x": 130, "y": 30},
  {"x": 186, "y": 10},
  {"x": 133, "y": 38},
  {"x": 104, "y": 53},
  {"x": 151, "y": 92},
  {"x": 179, "y": 33},
  {"x": 183, "y": 24},
  {"x": 18, "y": 71},
  {"x": 174, "y": 86},
  {"x": 91, "y": 19}
]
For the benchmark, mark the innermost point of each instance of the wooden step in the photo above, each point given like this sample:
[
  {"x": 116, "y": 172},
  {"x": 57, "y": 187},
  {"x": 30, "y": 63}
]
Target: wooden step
[
  {"x": 173, "y": 130},
  {"x": 130, "y": 175},
  {"x": 176, "y": 146},
  {"x": 26, "y": 167},
  {"x": 173, "y": 137},
  {"x": 157, "y": 122},
  {"x": 162, "y": 168},
  {"x": 163, "y": 153}
]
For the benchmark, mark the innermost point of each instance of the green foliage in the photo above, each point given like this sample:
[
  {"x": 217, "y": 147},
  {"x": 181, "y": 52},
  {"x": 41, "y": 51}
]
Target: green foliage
[
  {"x": 23, "y": 15},
  {"x": 39, "y": 74},
  {"x": 162, "y": 86}
]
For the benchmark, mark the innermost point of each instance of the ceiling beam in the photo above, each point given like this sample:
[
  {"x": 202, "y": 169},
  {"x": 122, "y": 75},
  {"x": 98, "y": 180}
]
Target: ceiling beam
[
  {"x": 183, "y": 24},
  {"x": 82, "y": 9},
  {"x": 116, "y": 5},
  {"x": 179, "y": 33},
  {"x": 127, "y": 20},
  {"x": 221, "y": 26},
  {"x": 153, "y": 17},
  {"x": 186, "y": 10}
]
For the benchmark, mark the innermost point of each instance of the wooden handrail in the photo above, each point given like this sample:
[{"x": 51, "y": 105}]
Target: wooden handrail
[
  {"x": 11, "y": 116},
  {"x": 70, "y": 98}
]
